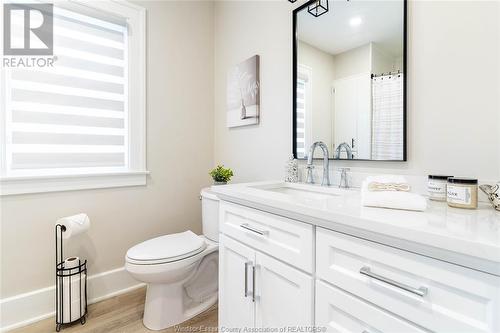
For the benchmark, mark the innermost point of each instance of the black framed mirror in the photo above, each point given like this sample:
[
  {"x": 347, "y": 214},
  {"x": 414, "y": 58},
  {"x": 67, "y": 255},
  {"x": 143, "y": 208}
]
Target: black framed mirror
[{"x": 349, "y": 79}]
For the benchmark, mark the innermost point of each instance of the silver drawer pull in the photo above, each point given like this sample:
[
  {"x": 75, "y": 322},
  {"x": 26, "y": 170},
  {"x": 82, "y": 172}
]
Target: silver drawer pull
[
  {"x": 253, "y": 283},
  {"x": 421, "y": 291},
  {"x": 252, "y": 229},
  {"x": 246, "y": 277}
]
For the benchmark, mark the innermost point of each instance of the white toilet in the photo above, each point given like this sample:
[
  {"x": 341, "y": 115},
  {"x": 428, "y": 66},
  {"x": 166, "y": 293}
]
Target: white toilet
[{"x": 180, "y": 270}]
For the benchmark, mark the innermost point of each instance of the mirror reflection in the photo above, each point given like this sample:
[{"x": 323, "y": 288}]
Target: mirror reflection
[{"x": 350, "y": 80}]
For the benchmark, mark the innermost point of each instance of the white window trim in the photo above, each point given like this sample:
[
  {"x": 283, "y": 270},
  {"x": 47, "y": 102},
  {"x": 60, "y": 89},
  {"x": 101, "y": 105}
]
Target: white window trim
[
  {"x": 137, "y": 173},
  {"x": 41, "y": 184}
]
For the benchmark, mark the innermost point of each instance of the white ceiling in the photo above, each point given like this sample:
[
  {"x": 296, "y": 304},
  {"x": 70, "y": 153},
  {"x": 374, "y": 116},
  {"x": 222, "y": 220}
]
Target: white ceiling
[{"x": 382, "y": 23}]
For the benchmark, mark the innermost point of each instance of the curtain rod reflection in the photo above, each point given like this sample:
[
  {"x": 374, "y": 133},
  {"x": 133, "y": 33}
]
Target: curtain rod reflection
[{"x": 385, "y": 74}]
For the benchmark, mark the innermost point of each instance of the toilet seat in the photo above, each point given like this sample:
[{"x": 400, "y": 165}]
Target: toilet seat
[
  {"x": 168, "y": 270},
  {"x": 166, "y": 249}
]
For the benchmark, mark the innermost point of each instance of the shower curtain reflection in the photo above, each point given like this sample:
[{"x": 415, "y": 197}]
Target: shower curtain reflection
[{"x": 388, "y": 117}]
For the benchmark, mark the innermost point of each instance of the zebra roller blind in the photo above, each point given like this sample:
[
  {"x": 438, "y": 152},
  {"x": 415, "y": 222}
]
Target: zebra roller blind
[
  {"x": 72, "y": 117},
  {"x": 301, "y": 117},
  {"x": 301, "y": 111}
]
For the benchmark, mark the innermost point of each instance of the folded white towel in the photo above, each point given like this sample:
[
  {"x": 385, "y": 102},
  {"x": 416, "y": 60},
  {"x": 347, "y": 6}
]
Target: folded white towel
[
  {"x": 392, "y": 199},
  {"x": 388, "y": 183}
]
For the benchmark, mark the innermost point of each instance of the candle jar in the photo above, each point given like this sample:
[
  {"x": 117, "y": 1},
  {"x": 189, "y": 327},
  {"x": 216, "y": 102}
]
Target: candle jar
[
  {"x": 462, "y": 192},
  {"x": 436, "y": 186}
]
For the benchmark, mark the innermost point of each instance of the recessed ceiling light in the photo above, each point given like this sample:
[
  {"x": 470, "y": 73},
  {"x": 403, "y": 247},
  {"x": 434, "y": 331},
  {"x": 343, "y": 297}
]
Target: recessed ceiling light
[{"x": 355, "y": 21}]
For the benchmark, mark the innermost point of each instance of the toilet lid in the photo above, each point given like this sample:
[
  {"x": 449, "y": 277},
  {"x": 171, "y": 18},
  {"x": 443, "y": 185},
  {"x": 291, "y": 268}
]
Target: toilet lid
[{"x": 167, "y": 248}]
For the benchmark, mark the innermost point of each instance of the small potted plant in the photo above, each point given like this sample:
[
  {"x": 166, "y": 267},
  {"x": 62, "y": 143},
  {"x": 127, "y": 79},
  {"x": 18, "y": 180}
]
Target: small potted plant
[{"x": 221, "y": 175}]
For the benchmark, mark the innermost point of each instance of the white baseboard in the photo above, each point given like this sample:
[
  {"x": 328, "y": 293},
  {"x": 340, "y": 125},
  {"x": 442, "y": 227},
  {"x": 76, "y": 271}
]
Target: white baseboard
[{"x": 25, "y": 309}]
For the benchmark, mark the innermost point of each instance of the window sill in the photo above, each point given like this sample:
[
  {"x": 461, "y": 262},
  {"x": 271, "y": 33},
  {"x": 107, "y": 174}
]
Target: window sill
[{"x": 42, "y": 184}]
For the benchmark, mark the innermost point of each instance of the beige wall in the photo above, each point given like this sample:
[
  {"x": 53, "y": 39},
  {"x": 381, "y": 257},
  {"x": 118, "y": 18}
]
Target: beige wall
[
  {"x": 453, "y": 87},
  {"x": 180, "y": 153},
  {"x": 242, "y": 29},
  {"x": 384, "y": 62},
  {"x": 353, "y": 62}
]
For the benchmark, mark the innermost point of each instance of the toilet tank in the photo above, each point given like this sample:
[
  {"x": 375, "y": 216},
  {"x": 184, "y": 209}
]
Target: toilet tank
[{"x": 210, "y": 214}]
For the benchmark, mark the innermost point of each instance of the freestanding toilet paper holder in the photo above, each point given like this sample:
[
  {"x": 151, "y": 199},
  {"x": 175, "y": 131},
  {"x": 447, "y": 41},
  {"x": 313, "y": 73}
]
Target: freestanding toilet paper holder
[{"x": 66, "y": 278}]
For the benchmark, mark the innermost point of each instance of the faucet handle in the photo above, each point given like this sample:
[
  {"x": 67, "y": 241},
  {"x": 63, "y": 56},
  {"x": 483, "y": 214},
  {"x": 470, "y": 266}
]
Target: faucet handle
[
  {"x": 344, "y": 181},
  {"x": 309, "y": 175},
  {"x": 343, "y": 171}
]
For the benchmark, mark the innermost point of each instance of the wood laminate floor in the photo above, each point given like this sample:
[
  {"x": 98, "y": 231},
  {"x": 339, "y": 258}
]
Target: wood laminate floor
[{"x": 123, "y": 314}]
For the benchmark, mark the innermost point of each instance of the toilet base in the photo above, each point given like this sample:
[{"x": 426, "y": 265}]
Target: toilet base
[
  {"x": 164, "y": 306},
  {"x": 178, "y": 290}
]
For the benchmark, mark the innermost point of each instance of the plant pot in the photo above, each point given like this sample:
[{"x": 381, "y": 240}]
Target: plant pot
[{"x": 219, "y": 183}]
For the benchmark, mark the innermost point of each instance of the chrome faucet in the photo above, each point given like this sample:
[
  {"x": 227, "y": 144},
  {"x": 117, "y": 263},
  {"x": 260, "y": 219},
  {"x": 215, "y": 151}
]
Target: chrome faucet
[
  {"x": 310, "y": 166},
  {"x": 344, "y": 179},
  {"x": 347, "y": 149}
]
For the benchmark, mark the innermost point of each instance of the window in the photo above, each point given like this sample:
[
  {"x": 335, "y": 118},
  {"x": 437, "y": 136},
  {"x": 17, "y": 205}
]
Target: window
[
  {"x": 81, "y": 122},
  {"x": 303, "y": 140},
  {"x": 301, "y": 117}
]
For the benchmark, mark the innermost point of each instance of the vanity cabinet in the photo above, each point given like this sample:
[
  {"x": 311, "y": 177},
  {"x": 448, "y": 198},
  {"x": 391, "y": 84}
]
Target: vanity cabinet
[
  {"x": 430, "y": 293},
  {"x": 278, "y": 272},
  {"x": 257, "y": 290}
]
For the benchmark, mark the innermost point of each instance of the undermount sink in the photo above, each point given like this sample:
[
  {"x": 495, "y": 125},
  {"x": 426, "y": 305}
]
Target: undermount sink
[{"x": 302, "y": 191}]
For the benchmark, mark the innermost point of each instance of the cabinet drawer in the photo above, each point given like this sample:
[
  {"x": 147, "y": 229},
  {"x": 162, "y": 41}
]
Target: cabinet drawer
[
  {"x": 433, "y": 294},
  {"x": 337, "y": 311},
  {"x": 282, "y": 238}
]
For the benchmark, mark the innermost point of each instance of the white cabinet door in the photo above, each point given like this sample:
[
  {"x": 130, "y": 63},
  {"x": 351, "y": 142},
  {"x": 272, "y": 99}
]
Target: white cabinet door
[
  {"x": 340, "y": 312},
  {"x": 284, "y": 295},
  {"x": 346, "y": 113},
  {"x": 236, "y": 305},
  {"x": 352, "y": 114}
]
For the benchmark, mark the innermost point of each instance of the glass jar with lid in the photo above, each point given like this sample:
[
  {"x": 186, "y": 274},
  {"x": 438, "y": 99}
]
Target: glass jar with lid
[
  {"x": 436, "y": 186},
  {"x": 462, "y": 192}
]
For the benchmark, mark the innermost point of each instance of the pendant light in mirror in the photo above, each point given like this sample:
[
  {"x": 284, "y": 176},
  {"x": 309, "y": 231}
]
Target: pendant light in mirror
[{"x": 318, "y": 8}]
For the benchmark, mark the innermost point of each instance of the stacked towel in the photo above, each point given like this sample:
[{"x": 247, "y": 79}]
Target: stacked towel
[
  {"x": 387, "y": 183},
  {"x": 391, "y": 192}
]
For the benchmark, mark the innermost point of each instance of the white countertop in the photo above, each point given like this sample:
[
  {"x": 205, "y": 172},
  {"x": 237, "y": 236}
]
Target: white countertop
[{"x": 469, "y": 238}]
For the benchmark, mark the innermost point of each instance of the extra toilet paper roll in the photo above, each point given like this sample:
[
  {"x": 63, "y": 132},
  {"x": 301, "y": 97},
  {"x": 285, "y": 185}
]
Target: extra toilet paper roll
[
  {"x": 71, "y": 262},
  {"x": 76, "y": 289},
  {"x": 75, "y": 224}
]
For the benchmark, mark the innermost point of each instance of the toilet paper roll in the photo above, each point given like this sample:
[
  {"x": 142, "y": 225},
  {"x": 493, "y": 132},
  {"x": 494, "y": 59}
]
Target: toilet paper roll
[
  {"x": 75, "y": 224},
  {"x": 72, "y": 293},
  {"x": 71, "y": 262}
]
